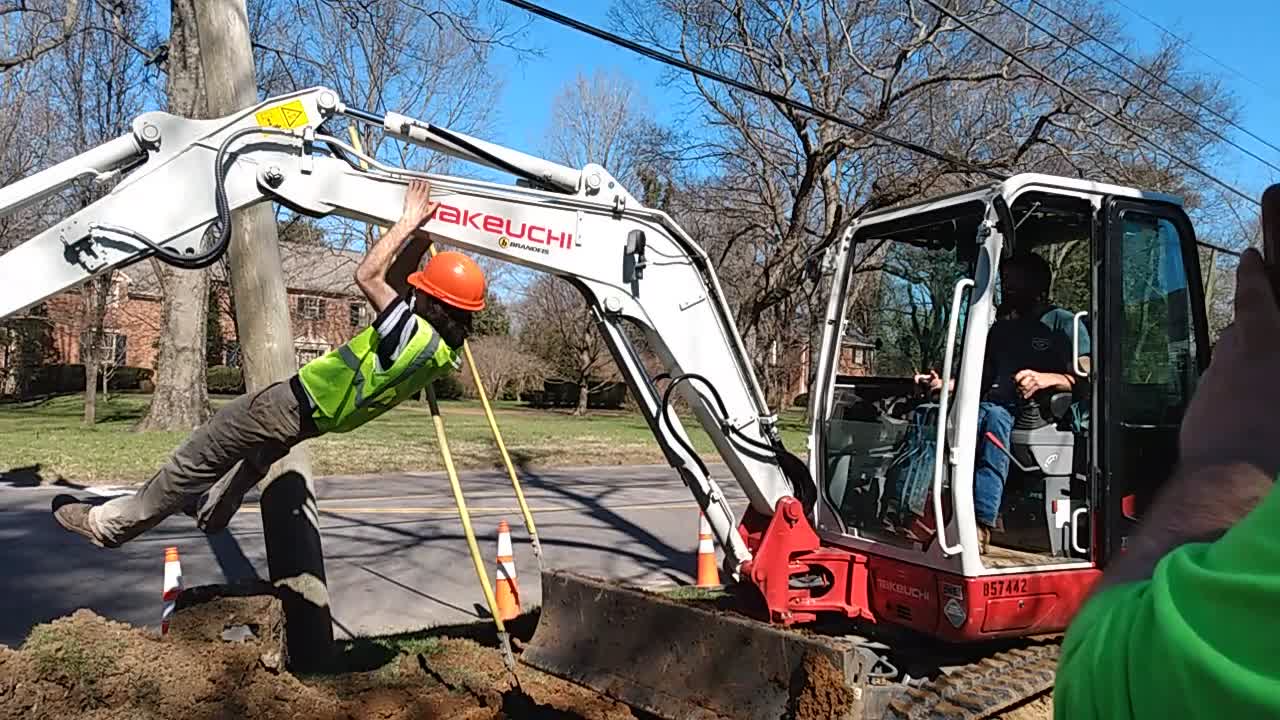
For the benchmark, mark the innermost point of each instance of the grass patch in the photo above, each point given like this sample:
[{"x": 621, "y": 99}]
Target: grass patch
[
  {"x": 57, "y": 652},
  {"x": 380, "y": 653},
  {"x": 45, "y": 442}
]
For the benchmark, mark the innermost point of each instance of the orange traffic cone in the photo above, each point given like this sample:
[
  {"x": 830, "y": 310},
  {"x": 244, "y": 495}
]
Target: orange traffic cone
[
  {"x": 508, "y": 592},
  {"x": 172, "y": 586},
  {"x": 708, "y": 573}
]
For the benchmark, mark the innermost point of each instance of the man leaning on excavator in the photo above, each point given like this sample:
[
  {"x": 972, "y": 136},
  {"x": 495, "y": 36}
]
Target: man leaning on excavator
[{"x": 423, "y": 318}]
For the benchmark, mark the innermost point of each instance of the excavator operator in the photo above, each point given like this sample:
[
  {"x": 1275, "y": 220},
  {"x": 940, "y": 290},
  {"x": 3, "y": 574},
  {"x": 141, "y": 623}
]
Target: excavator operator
[
  {"x": 1029, "y": 352},
  {"x": 423, "y": 318}
]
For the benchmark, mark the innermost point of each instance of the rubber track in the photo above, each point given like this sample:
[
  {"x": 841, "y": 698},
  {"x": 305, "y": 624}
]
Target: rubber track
[{"x": 983, "y": 688}]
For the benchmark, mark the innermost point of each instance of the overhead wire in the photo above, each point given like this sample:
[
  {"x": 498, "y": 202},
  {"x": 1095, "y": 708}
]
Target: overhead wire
[
  {"x": 1147, "y": 93},
  {"x": 1180, "y": 92},
  {"x": 1119, "y": 122},
  {"x": 1182, "y": 41},
  {"x": 671, "y": 61},
  {"x": 747, "y": 87}
]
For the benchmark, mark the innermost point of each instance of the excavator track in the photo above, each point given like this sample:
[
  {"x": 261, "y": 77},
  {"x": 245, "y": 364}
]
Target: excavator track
[{"x": 981, "y": 689}]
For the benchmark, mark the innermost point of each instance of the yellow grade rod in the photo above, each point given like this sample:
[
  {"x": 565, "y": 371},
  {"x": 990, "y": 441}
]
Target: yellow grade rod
[
  {"x": 504, "y": 640},
  {"x": 525, "y": 511}
]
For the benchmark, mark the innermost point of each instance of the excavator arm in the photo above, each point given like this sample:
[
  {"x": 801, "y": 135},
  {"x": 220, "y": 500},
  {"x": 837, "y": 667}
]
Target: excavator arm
[{"x": 182, "y": 178}]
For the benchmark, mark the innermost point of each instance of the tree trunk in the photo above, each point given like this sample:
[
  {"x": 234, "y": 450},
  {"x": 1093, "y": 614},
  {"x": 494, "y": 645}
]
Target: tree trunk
[
  {"x": 584, "y": 393},
  {"x": 181, "y": 399},
  {"x": 294, "y": 554},
  {"x": 96, "y": 293}
]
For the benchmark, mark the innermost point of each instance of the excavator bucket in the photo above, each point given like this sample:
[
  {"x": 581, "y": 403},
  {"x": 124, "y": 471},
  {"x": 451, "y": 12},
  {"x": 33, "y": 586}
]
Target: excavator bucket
[{"x": 681, "y": 661}]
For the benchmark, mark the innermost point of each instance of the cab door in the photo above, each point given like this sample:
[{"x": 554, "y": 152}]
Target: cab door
[{"x": 1154, "y": 345}]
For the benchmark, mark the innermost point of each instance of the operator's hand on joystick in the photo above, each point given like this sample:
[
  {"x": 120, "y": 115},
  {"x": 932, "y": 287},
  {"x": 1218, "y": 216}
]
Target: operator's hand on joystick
[{"x": 928, "y": 383}]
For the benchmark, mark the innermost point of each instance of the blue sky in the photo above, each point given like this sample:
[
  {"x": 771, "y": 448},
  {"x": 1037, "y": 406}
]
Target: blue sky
[{"x": 1240, "y": 33}]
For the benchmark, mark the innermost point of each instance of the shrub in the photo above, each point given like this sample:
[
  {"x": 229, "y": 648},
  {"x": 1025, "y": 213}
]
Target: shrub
[
  {"x": 448, "y": 387},
  {"x": 224, "y": 380},
  {"x": 130, "y": 378}
]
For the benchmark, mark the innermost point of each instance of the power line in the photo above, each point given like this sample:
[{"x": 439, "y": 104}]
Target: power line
[
  {"x": 1089, "y": 103},
  {"x": 1182, "y": 41},
  {"x": 1134, "y": 85},
  {"x": 753, "y": 89},
  {"x": 1155, "y": 77}
]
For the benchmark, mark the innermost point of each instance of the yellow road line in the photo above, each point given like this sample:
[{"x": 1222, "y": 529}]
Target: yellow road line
[
  {"x": 484, "y": 510},
  {"x": 415, "y": 496}
]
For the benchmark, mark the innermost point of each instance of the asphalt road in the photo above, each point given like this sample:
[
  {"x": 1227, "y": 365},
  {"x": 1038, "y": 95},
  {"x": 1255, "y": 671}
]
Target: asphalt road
[{"x": 395, "y": 553}]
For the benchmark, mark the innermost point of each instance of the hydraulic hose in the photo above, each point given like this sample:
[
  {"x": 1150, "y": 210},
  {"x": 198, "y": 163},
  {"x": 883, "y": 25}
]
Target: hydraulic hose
[{"x": 204, "y": 259}]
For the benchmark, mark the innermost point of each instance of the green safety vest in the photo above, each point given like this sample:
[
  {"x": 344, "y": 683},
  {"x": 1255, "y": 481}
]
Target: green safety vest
[{"x": 347, "y": 389}]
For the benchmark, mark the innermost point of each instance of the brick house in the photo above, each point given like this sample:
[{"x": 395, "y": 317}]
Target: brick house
[
  {"x": 857, "y": 357},
  {"x": 325, "y": 305}
]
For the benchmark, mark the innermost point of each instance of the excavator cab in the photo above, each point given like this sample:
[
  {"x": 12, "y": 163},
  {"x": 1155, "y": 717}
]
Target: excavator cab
[{"x": 905, "y": 472}]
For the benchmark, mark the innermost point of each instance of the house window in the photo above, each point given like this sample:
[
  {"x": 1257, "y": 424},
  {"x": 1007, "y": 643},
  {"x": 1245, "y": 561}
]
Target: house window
[
  {"x": 859, "y": 356},
  {"x": 118, "y": 348},
  {"x": 356, "y": 312},
  {"x": 311, "y": 308},
  {"x": 307, "y": 353}
]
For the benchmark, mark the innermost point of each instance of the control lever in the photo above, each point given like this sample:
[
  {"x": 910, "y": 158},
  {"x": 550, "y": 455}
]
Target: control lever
[{"x": 991, "y": 438}]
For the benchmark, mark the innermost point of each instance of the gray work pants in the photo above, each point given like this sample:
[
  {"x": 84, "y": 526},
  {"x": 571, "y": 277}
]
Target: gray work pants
[{"x": 240, "y": 442}]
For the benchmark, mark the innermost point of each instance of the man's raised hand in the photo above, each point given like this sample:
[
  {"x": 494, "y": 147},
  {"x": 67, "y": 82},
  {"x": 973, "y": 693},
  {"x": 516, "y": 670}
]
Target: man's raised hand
[{"x": 418, "y": 207}]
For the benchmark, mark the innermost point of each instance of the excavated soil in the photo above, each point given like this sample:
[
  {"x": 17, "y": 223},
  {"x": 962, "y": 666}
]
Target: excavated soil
[
  {"x": 822, "y": 694},
  {"x": 222, "y": 660}
]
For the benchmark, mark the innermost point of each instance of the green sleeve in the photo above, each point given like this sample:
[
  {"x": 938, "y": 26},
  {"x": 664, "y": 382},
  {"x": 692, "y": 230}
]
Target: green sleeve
[{"x": 1198, "y": 639}]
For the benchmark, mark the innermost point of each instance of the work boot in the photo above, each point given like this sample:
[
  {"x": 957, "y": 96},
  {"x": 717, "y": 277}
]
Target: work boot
[
  {"x": 984, "y": 539},
  {"x": 73, "y": 514}
]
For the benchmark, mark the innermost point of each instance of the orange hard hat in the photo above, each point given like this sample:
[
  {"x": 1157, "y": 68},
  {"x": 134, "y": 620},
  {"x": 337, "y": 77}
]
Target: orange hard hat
[{"x": 452, "y": 278}]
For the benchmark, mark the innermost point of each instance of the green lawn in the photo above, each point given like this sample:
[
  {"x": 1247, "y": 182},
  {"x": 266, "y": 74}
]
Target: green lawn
[{"x": 46, "y": 438}]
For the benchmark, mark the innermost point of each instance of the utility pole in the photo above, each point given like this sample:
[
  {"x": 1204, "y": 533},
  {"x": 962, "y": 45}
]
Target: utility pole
[{"x": 290, "y": 522}]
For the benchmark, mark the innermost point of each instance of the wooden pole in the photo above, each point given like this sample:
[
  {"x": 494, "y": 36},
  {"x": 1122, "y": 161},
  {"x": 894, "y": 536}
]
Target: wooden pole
[{"x": 290, "y": 522}]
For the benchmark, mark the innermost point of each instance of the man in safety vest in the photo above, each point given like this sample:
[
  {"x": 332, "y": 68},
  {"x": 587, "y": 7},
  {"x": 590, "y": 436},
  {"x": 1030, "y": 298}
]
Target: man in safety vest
[{"x": 423, "y": 318}]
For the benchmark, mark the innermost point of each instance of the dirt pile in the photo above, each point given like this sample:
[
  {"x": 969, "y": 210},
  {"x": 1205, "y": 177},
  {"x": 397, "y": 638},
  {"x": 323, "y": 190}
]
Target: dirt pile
[{"x": 222, "y": 660}]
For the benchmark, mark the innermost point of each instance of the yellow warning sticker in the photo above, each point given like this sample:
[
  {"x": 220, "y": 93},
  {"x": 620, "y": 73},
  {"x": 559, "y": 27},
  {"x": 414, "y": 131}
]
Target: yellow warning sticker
[{"x": 287, "y": 116}]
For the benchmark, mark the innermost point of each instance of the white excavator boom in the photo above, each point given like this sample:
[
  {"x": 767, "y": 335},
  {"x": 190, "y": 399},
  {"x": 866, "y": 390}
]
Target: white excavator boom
[{"x": 631, "y": 263}]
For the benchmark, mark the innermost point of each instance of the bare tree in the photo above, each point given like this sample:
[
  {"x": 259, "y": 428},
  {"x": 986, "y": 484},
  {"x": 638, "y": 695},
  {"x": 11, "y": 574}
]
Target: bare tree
[
  {"x": 31, "y": 29},
  {"x": 505, "y": 368},
  {"x": 428, "y": 62},
  {"x": 181, "y": 400},
  {"x": 784, "y": 185},
  {"x": 101, "y": 84},
  {"x": 603, "y": 119},
  {"x": 558, "y": 328}
]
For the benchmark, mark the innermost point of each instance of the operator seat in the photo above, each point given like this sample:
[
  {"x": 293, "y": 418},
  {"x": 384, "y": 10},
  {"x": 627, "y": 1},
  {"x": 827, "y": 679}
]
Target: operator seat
[{"x": 1043, "y": 438}]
